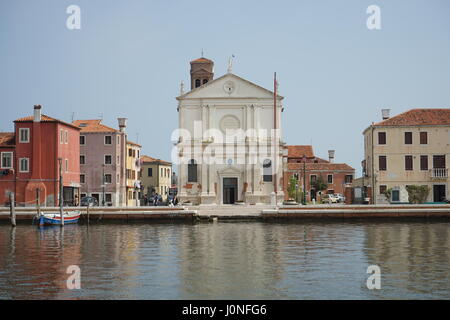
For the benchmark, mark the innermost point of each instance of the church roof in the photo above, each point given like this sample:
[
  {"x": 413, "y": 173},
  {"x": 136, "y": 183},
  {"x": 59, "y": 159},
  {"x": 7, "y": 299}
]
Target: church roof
[{"x": 209, "y": 83}]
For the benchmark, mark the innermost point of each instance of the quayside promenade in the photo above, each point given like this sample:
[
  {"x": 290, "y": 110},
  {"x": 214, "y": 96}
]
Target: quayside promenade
[{"x": 242, "y": 212}]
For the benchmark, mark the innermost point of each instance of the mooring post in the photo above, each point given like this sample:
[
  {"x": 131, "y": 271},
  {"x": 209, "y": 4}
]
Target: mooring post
[
  {"x": 38, "y": 203},
  {"x": 61, "y": 191},
  {"x": 13, "y": 209},
  {"x": 87, "y": 212}
]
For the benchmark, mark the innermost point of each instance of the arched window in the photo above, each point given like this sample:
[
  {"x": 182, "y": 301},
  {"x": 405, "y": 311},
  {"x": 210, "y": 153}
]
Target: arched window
[
  {"x": 197, "y": 83},
  {"x": 192, "y": 171},
  {"x": 267, "y": 170},
  {"x": 205, "y": 81}
]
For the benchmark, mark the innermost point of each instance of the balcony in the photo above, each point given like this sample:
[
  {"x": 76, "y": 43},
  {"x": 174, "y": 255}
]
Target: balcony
[{"x": 439, "y": 173}]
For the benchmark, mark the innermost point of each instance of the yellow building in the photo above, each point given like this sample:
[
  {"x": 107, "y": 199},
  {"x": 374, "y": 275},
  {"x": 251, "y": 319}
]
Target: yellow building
[
  {"x": 133, "y": 169},
  {"x": 156, "y": 176},
  {"x": 408, "y": 149}
]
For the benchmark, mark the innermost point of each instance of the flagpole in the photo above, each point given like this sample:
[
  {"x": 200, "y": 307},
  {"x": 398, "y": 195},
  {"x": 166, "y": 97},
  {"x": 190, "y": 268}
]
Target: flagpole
[{"x": 275, "y": 149}]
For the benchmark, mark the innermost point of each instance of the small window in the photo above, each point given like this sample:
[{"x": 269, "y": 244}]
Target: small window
[
  {"x": 348, "y": 178},
  {"x": 82, "y": 179},
  {"x": 108, "y": 198},
  {"x": 130, "y": 152},
  {"x": 108, "y": 140},
  {"x": 382, "y": 166},
  {"x": 24, "y": 135},
  {"x": 82, "y": 159},
  {"x": 408, "y": 138},
  {"x": 267, "y": 170},
  {"x": 408, "y": 163},
  {"x": 197, "y": 83},
  {"x": 383, "y": 189},
  {"x": 395, "y": 195},
  {"x": 108, "y": 178},
  {"x": 67, "y": 165},
  {"x": 24, "y": 165},
  {"x": 423, "y": 137},
  {"x": 134, "y": 153},
  {"x": 423, "y": 162},
  {"x": 313, "y": 178},
  {"x": 330, "y": 178},
  {"x": 108, "y": 159},
  {"x": 162, "y": 172},
  {"x": 61, "y": 136},
  {"x": 82, "y": 140},
  {"x": 381, "y": 137},
  {"x": 7, "y": 159},
  {"x": 66, "y": 137},
  {"x": 150, "y": 172}
]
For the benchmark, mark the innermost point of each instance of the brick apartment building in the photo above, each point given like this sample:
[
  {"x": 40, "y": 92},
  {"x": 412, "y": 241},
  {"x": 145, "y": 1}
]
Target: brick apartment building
[
  {"x": 31, "y": 159},
  {"x": 301, "y": 160}
]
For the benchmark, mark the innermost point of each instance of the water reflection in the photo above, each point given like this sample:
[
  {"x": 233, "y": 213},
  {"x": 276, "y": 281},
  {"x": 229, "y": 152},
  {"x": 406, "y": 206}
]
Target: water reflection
[{"x": 226, "y": 260}]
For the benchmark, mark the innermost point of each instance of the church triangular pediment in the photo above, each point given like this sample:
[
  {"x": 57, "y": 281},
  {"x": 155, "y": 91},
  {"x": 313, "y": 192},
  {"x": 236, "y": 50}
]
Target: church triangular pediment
[{"x": 229, "y": 85}]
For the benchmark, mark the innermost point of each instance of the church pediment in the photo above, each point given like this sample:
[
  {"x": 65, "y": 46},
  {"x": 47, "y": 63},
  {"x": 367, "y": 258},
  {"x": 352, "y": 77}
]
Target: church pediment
[
  {"x": 229, "y": 170},
  {"x": 229, "y": 86}
]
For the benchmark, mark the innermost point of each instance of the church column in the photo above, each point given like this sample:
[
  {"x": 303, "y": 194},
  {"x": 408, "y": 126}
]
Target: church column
[
  {"x": 212, "y": 167},
  {"x": 204, "y": 174}
]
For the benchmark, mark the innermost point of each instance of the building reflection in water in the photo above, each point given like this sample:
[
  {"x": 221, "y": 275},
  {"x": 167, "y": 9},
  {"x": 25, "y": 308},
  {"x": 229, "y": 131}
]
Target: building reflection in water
[{"x": 414, "y": 258}]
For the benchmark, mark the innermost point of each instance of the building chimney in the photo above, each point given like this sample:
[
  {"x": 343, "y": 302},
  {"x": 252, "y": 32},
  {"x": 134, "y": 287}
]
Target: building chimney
[
  {"x": 37, "y": 113},
  {"x": 331, "y": 156},
  {"x": 122, "y": 124},
  {"x": 385, "y": 113}
]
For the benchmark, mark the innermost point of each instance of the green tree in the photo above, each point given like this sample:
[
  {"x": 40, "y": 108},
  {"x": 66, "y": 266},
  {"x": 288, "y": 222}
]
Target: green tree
[
  {"x": 417, "y": 194},
  {"x": 319, "y": 184},
  {"x": 292, "y": 188}
]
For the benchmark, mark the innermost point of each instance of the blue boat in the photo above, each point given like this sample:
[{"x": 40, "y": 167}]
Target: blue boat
[{"x": 55, "y": 218}]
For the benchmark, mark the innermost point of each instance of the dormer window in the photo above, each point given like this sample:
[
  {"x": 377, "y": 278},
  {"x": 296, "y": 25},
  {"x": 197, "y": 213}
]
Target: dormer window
[{"x": 197, "y": 83}]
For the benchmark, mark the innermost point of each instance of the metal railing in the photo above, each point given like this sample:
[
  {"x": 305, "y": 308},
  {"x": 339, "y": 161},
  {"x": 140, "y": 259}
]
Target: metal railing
[{"x": 439, "y": 173}]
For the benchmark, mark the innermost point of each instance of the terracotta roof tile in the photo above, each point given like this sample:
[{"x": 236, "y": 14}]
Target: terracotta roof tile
[
  {"x": 201, "y": 60},
  {"x": 44, "y": 118},
  {"x": 133, "y": 143},
  {"x": 417, "y": 117},
  {"x": 299, "y": 151},
  {"x": 151, "y": 160},
  {"x": 93, "y": 126},
  {"x": 321, "y": 166},
  {"x": 7, "y": 139}
]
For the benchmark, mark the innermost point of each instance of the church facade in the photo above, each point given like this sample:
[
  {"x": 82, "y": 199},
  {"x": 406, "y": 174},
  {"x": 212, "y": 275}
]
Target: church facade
[{"x": 228, "y": 146}]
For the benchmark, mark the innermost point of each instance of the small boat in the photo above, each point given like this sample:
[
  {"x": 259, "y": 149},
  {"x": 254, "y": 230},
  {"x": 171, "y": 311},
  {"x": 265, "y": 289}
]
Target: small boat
[{"x": 55, "y": 218}]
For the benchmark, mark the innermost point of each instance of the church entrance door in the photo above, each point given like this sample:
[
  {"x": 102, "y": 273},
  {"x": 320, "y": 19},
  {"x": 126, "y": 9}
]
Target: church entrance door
[{"x": 230, "y": 188}]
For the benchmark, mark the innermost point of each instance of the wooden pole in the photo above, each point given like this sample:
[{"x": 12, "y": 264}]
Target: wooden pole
[
  {"x": 13, "y": 209},
  {"x": 87, "y": 212},
  {"x": 38, "y": 202},
  {"x": 275, "y": 147},
  {"x": 61, "y": 197}
]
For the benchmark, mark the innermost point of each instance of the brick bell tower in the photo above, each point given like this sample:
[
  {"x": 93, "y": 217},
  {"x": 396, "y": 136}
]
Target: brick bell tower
[{"x": 202, "y": 71}]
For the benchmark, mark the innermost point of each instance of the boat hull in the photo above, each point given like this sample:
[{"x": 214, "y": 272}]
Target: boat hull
[{"x": 55, "y": 219}]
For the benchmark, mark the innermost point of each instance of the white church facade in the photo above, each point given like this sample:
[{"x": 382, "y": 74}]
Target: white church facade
[{"x": 227, "y": 148}]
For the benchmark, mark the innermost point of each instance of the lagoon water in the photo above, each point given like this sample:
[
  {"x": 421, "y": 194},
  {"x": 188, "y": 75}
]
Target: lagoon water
[{"x": 227, "y": 260}]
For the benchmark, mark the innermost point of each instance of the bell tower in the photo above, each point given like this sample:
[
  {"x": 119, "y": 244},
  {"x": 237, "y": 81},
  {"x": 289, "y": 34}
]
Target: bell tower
[{"x": 202, "y": 71}]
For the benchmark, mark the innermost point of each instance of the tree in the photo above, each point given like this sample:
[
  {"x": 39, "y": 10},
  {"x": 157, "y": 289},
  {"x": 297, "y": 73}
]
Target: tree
[
  {"x": 319, "y": 184},
  {"x": 292, "y": 188},
  {"x": 417, "y": 194}
]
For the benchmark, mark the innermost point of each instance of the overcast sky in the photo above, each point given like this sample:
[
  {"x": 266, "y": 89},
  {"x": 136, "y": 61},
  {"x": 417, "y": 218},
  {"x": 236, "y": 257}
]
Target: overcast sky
[{"x": 129, "y": 57}]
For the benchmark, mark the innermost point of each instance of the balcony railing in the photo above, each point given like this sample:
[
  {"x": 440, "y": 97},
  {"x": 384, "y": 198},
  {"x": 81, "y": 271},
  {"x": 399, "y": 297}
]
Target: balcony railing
[{"x": 439, "y": 173}]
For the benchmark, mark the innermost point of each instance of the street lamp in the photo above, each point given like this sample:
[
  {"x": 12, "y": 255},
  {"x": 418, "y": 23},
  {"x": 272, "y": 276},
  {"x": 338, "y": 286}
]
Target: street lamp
[{"x": 304, "y": 179}]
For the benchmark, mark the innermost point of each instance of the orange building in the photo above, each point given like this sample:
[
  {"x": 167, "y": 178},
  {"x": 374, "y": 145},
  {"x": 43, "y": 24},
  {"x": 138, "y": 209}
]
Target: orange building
[
  {"x": 31, "y": 159},
  {"x": 301, "y": 161}
]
